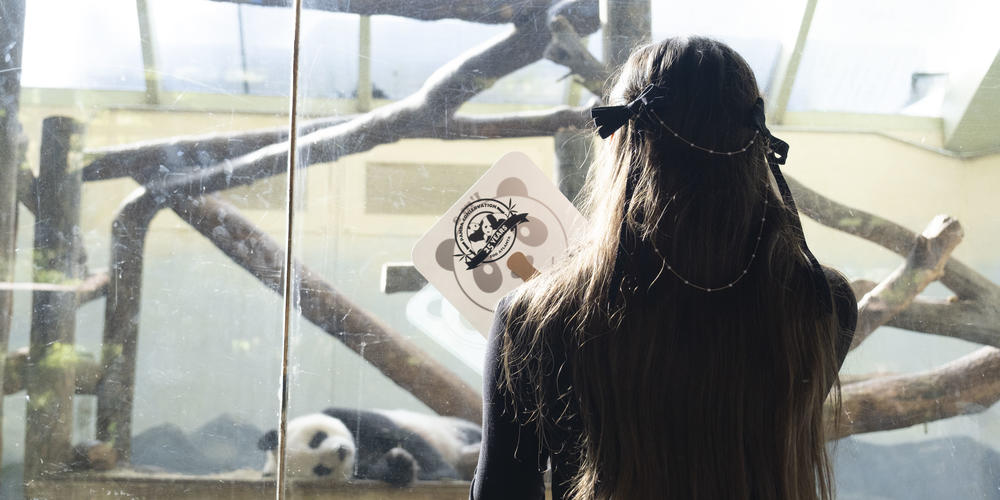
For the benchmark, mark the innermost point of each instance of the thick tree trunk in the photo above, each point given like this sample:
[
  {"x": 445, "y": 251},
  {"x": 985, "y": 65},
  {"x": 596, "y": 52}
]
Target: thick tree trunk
[
  {"x": 969, "y": 384},
  {"x": 627, "y": 26},
  {"x": 51, "y": 380}
]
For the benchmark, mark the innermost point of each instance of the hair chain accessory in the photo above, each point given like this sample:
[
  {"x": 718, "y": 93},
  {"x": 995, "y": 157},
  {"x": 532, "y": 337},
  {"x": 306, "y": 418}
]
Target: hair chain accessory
[
  {"x": 608, "y": 119},
  {"x": 746, "y": 269}
]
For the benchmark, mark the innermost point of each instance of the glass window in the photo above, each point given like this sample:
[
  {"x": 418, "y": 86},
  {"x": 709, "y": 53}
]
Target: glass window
[
  {"x": 197, "y": 46},
  {"x": 883, "y": 57},
  {"x": 61, "y": 51},
  {"x": 758, "y": 33},
  {"x": 151, "y": 321}
]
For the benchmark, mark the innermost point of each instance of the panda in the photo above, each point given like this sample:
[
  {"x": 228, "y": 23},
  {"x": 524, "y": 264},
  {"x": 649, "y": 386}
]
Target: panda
[
  {"x": 394, "y": 446},
  {"x": 318, "y": 446}
]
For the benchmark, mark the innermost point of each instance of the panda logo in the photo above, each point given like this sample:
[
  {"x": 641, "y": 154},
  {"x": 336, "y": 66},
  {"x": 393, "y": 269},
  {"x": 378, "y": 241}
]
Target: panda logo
[{"x": 485, "y": 230}]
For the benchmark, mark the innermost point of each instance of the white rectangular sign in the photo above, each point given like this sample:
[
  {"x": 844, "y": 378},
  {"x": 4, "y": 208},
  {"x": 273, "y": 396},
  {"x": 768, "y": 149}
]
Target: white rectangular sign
[{"x": 512, "y": 223}]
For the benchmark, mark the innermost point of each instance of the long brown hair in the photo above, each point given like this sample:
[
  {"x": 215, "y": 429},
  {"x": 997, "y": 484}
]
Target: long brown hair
[{"x": 681, "y": 393}]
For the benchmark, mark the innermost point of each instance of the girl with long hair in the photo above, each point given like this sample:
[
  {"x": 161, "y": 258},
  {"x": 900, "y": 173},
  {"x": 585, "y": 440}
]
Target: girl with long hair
[{"x": 685, "y": 347}]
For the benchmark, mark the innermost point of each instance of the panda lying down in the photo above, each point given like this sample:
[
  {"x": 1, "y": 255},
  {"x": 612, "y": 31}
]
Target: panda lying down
[{"x": 395, "y": 446}]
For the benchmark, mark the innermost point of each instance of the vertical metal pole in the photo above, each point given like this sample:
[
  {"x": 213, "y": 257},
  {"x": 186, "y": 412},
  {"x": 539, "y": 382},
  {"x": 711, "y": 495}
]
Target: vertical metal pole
[
  {"x": 365, "y": 65},
  {"x": 148, "y": 53},
  {"x": 788, "y": 68},
  {"x": 243, "y": 48},
  {"x": 288, "y": 283}
]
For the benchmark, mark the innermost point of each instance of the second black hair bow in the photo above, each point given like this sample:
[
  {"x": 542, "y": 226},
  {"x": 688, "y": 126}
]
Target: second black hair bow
[{"x": 608, "y": 119}]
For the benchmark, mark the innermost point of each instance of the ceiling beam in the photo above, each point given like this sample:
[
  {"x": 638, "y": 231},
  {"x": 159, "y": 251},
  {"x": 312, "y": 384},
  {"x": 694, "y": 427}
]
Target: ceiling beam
[
  {"x": 972, "y": 110},
  {"x": 788, "y": 67}
]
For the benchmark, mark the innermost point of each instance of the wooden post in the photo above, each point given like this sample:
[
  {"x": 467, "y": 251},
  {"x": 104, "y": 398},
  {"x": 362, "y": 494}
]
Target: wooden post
[
  {"x": 572, "y": 160},
  {"x": 116, "y": 390},
  {"x": 626, "y": 26},
  {"x": 51, "y": 379},
  {"x": 11, "y": 37}
]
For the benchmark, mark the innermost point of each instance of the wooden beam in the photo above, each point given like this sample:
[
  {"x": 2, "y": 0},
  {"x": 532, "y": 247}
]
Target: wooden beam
[
  {"x": 116, "y": 390},
  {"x": 243, "y": 485},
  {"x": 975, "y": 128},
  {"x": 386, "y": 349},
  {"x": 88, "y": 372},
  {"x": 787, "y": 68},
  {"x": 50, "y": 377},
  {"x": 627, "y": 24},
  {"x": 966, "y": 385}
]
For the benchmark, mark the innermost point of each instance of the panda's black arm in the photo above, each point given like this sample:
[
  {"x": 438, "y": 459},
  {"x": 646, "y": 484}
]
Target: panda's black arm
[{"x": 510, "y": 458}]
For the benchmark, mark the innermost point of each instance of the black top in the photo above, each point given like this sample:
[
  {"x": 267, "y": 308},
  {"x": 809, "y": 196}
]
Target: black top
[{"x": 510, "y": 465}]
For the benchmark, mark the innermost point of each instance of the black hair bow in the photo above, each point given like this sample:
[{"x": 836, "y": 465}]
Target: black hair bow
[
  {"x": 608, "y": 119},
  {"x": 777, "y": 148}
]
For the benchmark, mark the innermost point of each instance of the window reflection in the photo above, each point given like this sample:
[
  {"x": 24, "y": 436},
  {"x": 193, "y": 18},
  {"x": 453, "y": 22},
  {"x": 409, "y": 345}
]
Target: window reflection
[{"x": 920, "y": 140}]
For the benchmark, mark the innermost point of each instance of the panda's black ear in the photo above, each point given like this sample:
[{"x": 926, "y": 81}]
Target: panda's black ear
[{"x": 268, "y": 441}]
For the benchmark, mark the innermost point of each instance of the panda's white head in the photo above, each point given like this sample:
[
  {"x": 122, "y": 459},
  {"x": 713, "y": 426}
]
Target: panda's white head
[{"x": 319, "y": 447}]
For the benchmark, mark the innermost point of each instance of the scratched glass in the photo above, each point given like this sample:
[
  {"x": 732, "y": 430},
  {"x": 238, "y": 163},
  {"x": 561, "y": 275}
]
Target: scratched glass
[
  {"x": 145, "y": 297},
  {"x": 145, "y": 210}
]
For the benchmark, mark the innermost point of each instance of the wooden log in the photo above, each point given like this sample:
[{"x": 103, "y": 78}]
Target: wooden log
[
  {"x": 969, "y": 384},
  {"x": 389, "y": 351},
  {"x": 924, "y": 265},
  {"x": 88, "y": 372},
  {"x": 573, "y": 149},
  {"x": 50, "y": 377},
  {"x": 582, "y": 13},
  {"x": 11, "y": 38},
  {"x": 974, "y": 320},
  {"x": 116, "y": 390},
  {"x": 156, "y": 159},
  {"x": 27, "y": 189},
  {"x": 433, "y": 107},
  {"x": 568, "y": 49},
  {"x": 958, "y": 277},
  {"x": 239, "y": 485},
  {"x": 178, "y": 154},
  {"x": 626, "y": 27}
]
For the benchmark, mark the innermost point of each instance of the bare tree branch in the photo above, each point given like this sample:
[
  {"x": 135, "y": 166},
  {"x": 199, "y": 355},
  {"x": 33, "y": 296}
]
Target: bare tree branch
[
  {"x": 969, "y": 320},
  {"x": 389, "y": 351},
  {"x": 87, "y": 372},
  {"x": 961, "y": 279},
  {"x": 923, "y": 265},
  {"x": 852, "y": 378},
  {"x": 180, "y": 155},
  {"x": 477, "y": 11},
  {"x": 523, "y": 124},
  {"x": 568, "y": 49},
  {"x": 27, "y": 190},
  {"x": 972, "y": 321},
  {"x": 184, "y": 153},
  {"x": 443, "y": 92},
  {"x": 969, "y": 384}
]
